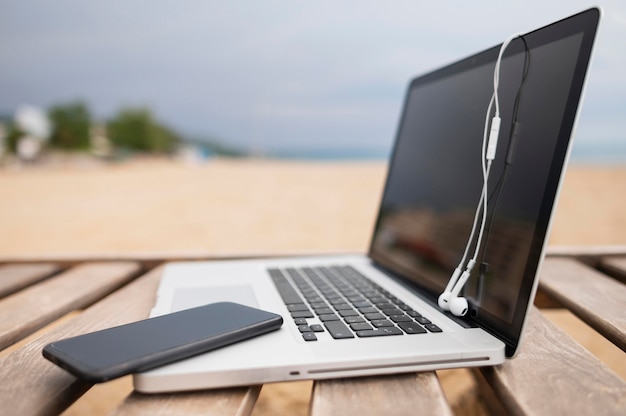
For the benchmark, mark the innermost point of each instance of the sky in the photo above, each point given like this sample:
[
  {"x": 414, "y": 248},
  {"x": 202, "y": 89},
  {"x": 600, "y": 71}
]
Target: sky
[{"x": 269, "y": 75}]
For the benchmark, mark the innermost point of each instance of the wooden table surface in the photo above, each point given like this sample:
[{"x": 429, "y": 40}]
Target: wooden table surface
[{"x": 553, "y": 374}]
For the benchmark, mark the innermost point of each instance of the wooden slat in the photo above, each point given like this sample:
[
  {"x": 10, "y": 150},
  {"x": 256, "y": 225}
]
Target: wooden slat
[
  {"x": 615, "y": 266},
  {"x": 595, "y": 298},
  {"x": 552, "y": 374},
  {"x": 543, "y": 301},
  {"x": 153, "y": 257},
  {"x": 26, "y": 311},
  {"x": 406, "y": 394},
  {"x": 234, "y": 401},
  {"x": 39, "y": 387},
  {"x": 15, "y": 277}
]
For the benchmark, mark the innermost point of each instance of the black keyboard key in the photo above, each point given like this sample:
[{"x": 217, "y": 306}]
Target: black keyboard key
[
  {"x": 348, "y": 312},
  {"x": 392, "y": 311},
  {"x": 286, "y": 291},
  {"x": 342, "y": 306},
  {"x": 422, "y": 320},
  {"x": 433, "y": 328},
  {"x": 368, "y": 293},
  {"x": 362, "y": 304},
  {"x": 381, "y": 322},
  {"x": 392, "y": 330},
  {"x": 329, "y": 317},
  {"x": 360, "y": 326},
  {"x": 374, "y": 316},
  {"x": 294, "y": 307},
  {"x": 317, "y": 328},
  {"x": 310, "y": 295},
  {"x": 400, "y": 318},
  {"x": 319, "y": 305},
  {"x": 304, "y": 328},
  {"x": 368, "y": 309},
  {"x": 414, "y": 314},
  {"x": 411, "y": 328},
  {"x": 353, "y": 319},
  {"x": 300, "y": 321},
  {"x": 302, "y": 314},
  {"x": 309, "y": 336},
  {"x": 338, "y": 330},
  {"x": 324, "y": 311}
]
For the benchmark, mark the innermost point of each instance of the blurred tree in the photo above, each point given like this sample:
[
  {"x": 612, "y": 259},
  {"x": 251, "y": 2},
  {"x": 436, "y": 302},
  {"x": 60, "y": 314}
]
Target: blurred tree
[
  {"x": 12, "y": 136},
  {"x": 70, "y": 126},
  {"x": 135, "y": 129}
]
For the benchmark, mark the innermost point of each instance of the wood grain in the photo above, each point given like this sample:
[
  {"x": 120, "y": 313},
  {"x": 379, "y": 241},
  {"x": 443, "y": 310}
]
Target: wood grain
[
  {"x": 615, "y": 266},
  {"x": 234, "y": 401},
  {"x": 544, "y": 301},
  {"x": 26, "y": 311},
  {"x": 552, "y": 375},
  {"x": 404, "y": 394},
  {"x": 595, "y": 298},
  {"x": 15, "y": 277},
  {"x": 39, "y": 387}
]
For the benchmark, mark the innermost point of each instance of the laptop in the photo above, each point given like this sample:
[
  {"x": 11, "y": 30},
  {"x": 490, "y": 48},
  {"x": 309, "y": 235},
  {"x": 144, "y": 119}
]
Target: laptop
[{"x": 377, "y": 313}]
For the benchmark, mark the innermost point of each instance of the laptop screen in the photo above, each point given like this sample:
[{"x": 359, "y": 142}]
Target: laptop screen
[{"x": 435, "y": 176}]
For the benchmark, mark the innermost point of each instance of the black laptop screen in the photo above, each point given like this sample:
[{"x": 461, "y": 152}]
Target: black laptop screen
[{"x": 435, "y": 176}]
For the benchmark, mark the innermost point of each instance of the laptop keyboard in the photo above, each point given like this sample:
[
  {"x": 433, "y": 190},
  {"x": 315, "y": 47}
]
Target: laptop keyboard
[{"x": 346, "y": 303}]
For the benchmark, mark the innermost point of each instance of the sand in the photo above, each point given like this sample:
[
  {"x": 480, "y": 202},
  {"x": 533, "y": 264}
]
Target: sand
[
  {"x": 241, "y": 206},
  {"x": 591, "y": 208},
  {"x": 79, "y": 207},
  {"x": 220, "y": 207}
]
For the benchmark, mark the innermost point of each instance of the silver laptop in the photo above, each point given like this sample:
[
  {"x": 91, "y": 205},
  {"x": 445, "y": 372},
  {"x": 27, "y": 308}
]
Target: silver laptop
[{"x": 377, "y": 313}]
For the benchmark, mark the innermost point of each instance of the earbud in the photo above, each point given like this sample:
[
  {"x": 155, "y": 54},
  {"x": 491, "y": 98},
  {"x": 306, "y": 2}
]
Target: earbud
[
  {"x": 444, "y": 301},
  {"x": 444, "y": 298},
  {"x": 458, "y": 306}
]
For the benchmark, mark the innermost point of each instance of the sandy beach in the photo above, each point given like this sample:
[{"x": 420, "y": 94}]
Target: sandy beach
[
  {"x": 161, "y": 207},
  {"x": 218, "y": 208},
  {"x": 241, "y": 207}
]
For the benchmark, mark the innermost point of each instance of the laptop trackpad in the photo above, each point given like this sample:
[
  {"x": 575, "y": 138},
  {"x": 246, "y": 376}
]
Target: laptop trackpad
[{"x": 190, "y": 297}]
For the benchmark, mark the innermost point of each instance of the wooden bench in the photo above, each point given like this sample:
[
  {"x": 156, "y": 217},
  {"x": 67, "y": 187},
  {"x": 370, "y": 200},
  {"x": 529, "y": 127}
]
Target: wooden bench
[{"x": 553, "y": 374}]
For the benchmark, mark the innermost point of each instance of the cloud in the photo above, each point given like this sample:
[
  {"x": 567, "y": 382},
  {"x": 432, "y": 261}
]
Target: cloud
[{"x": 261, "y": 71}]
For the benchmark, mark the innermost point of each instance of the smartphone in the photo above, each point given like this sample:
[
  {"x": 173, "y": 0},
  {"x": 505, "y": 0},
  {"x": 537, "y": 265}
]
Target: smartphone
[{"x": 143, "y": 345}]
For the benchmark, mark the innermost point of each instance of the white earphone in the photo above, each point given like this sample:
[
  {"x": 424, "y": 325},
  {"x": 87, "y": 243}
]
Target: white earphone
[{"x": 450, "y": 299}]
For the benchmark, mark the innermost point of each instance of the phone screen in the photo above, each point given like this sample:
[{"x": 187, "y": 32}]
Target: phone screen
[{"x": 139, "y": 346}]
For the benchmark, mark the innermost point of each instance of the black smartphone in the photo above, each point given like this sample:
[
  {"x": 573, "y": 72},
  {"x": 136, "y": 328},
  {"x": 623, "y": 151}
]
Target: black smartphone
[{"x": 143, "y": 345}]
